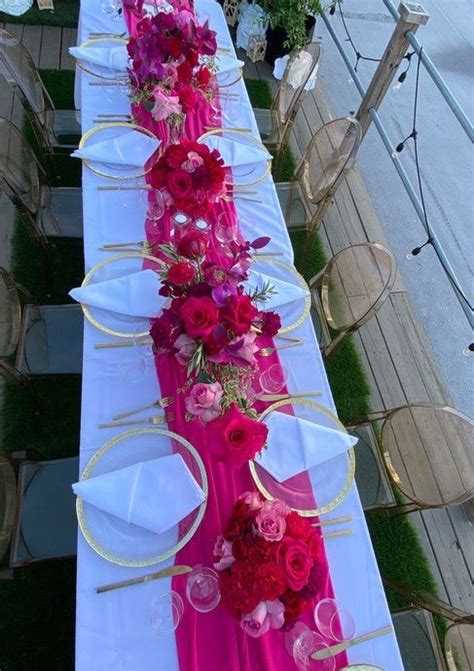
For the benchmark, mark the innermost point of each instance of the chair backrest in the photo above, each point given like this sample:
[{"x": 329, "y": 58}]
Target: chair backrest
[
  {"x": 20, "y": 170},
  {"x": 7, "y": 503},
  {"x": 10, "y": 315},
  {"x": 355, "y": 284},
  {"x": 17, "y": 66},
  {"x": 429, "y": 452},
  {"x": 459, "y": 647},
  {"x": 330, "y": 153},
  {"x": 301, "y": 69}
]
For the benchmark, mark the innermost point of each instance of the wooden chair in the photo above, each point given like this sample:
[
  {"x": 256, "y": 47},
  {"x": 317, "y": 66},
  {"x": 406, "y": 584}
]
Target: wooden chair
[
  {"x": 416, "y": 633},
  {"x": 54, "y": 129},
  {"x": 426, "y": 453},
  {"x": 49, "y": 212},
  {"x": 37, "y": 340},
  {"x": 328, "y": 157},
  {"x": 37, "y": 514},
  {"x": 349, "y": 290},
  {"x": 275, "y": 124}
]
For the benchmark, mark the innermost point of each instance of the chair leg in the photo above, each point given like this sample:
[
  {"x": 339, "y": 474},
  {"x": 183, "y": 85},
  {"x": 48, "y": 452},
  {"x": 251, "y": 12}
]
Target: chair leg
[{"x": 394, "y": 511}]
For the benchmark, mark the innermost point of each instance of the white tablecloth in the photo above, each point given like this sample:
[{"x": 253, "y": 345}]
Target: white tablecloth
[{"x": 112, "y": 630}]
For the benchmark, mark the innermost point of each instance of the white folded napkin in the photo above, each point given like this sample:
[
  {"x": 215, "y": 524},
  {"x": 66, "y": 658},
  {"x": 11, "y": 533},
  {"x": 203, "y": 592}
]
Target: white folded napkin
[
  {"x": 285, "y": 292},
  {"x": 155, "y": 494},
  {"x": 296, "y": 445},
  {"x": 112, "y": 58},
  {"x": 131, "y": 148},
  {"x": 135, "y": 294},
  {"x": 236, "y": 153},
  {"x": 226, "y": 63}
]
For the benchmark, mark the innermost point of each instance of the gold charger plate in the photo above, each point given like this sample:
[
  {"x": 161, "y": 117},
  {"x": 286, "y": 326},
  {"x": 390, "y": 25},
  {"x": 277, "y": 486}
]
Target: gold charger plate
[
  {"x": 300, "y": 280},
  {"x": 252, "y": 140},
  {"x": 132, "y": 454},
  {"x": 87, "y": 279},
  {"x": 280, "y": 490},
  {"x": 105, "y": 128},
  {"x": 96, "y": 41}
]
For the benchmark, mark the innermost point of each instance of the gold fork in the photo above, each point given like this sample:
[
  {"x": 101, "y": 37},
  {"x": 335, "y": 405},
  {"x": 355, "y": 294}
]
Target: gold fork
[
  {"x": 159, "y": 403},
  {"x": 154, "y": 420},
  {"x": 143, "y": 246},
  {"x": 268, "y": 351}
]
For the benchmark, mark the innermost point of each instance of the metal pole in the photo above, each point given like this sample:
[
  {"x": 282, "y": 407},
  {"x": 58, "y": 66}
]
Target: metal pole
[
  {"x": 411, "y": 16},
  {"x": 433, "y": 71}
]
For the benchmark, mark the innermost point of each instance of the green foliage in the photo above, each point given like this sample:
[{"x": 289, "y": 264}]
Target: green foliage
[{"x": 291, "y": 15}]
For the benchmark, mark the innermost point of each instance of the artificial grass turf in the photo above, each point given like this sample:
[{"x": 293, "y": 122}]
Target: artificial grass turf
[{"x": 66, "y": 13}]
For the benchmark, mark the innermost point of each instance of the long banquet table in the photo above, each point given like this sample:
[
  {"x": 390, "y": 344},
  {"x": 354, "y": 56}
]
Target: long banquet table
[{"x": 113, "y": 630}]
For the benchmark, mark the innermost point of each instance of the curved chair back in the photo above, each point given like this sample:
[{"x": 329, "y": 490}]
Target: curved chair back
[
  {"x": 301, "y": 68},
  {"x": 330, "y": 153},
  {"x": 10, "y": 315},
  {"x": 17, "y": 66},
  {"x": 19, "y": 168},
  {"x": 459, "y": 647},
  {"x": 429, "y": 453},
  {"x": 7, "y": 503}
]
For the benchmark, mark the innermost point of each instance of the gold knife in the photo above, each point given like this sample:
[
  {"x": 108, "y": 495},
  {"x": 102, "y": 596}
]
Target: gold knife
[
  {"x": 340, "y": 647},
  {"x": 164, "y": 573}
]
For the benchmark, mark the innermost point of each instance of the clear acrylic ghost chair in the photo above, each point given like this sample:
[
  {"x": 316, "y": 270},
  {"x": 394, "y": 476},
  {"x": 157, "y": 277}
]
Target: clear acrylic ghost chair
[
  {"x": 54, "y": 129},
  {"x": 37, "y": 340},
  {"x": 329, "y": 155},
  {"x": 50, "y": 212},
  {"x": 275, "y": 124},
  {"x": 349, "y": 290}
]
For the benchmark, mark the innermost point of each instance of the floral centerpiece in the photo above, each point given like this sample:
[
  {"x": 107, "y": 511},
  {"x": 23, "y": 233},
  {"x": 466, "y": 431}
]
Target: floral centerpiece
[
  {"x": 191, "y": 175},
  {"x": 168, "y": 72},
  {"x": 268, "y": 557},
  {"x": 210, "y": 327}
]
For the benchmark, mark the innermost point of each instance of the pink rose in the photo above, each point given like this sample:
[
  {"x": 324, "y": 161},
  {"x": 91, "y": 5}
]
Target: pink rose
[
  {"x": 240, "y": 351},
  {"x": 271, "y": 521},
  {"x": 253, "y": 500},
  {"x": 223, "y": 549},
  {"x": 164, "y": 105},
  {"x": 204, "y": 401},
  {"x": 194, "y": 161},
  {"x": 185, "y": 346},
  {"x": 267, "y": 614}
]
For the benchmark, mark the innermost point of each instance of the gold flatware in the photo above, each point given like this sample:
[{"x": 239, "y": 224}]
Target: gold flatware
[
  {"x": 164, "y": 573},
  {"x": 281, "y": 397},
  {"x": 114, "y": 116},
  {"x": 117, "y": 35},
  {"x": 105, "y": 82},
  {"x": 154, "y": 420},
  {"x": 127, "y": 246},
  {"x": 238, "y": 197},
  {"x": 159, "y": 403},
  {"x": 268, "y": 351},
  {"x": 340, "y": 647},
  {"x": 336, "y": 520},
  {"x": 240, "y": 130},
  {"x": 336, "y": 534},
  {"x": 267, "y": 254},
  {"x": 224, "y": 49},
  {"x": 122, "y": 343},
  {"x": 124, "y": 187}
]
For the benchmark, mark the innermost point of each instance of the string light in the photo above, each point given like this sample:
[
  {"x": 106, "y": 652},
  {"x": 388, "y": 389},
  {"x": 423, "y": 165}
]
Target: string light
[{"x": 359, "y": 56}]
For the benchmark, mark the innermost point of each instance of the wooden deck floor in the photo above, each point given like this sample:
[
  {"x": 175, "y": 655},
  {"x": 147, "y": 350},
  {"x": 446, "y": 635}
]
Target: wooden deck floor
[{"x": 394, "y": 349}]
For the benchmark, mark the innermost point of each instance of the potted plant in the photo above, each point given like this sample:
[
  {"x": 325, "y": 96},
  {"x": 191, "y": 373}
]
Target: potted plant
[{"x": 290, "y": 24}]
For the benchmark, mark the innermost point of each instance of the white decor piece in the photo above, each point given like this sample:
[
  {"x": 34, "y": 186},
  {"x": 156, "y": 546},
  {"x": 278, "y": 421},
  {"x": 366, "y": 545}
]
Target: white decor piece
[
  {"x": 299, "y": 70},
  {"x": 253, "y": 20},
  {"x": 15, "y": 7}
]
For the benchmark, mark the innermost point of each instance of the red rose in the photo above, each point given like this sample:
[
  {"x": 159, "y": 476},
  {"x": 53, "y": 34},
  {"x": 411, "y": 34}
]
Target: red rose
[
  {"x": 175, "y": 155},
  {"x": 295, "y": 560},
  {"x": 184, "y": 72},
  {"x": 298, "y": 527},
  {"x": 239, "y": 523},
  {"x": 181, "y": 273},
  {"x": 187, "y": 98},
  {"x": 294, "y": 605},
  {"x": 199, "y": 316},
  {"x": 203, "y": 76},
  {"x": 238, "y": 314},
  {"x": 271, "y": 323},
  {"x": 193, "y": 244},
  {"x": 271, "y": 580},
  {"x": 237, "y": 437},
  {"x": 180, "y": 184}
]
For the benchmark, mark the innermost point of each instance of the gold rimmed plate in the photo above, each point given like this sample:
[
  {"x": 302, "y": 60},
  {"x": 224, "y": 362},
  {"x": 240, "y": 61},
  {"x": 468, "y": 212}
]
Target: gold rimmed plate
[
  {"x": 114, "y": 130},
  {"x": 128, "y": 544},
  {"x": 320, "y": 489},
  {"x": 229, "y": 77},
  {"x": 248, "y": 173},
  {"x": 113, "y": 323},
  {"x": 100, "y": 71},
  {"x": 292, "y": 314}
]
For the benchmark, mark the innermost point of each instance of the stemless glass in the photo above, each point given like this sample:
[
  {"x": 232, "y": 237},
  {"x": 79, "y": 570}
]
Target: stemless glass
[
  {"x": 166, "y": 612},
  {"x": 224, "y": 229},
  {"x": 156, "y": 206},
  {"x": 273, "y": 379},
  {"x": 301, "y": 643},
  {"x": 202, "y": 589},
  {"x": 333, "y": 621}
]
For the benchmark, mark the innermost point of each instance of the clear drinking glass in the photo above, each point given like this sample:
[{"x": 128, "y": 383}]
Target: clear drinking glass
[
  {"x": 224, "y": 229},
  {"x": 333, "y": 621},
  {"x": 273, "y": 379},
  {"x": 202, "y": 589},
  {"x": 156, "y": 206},
  {"x": 166, "y": 612},
  {"x": 301, "y": 643}
]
